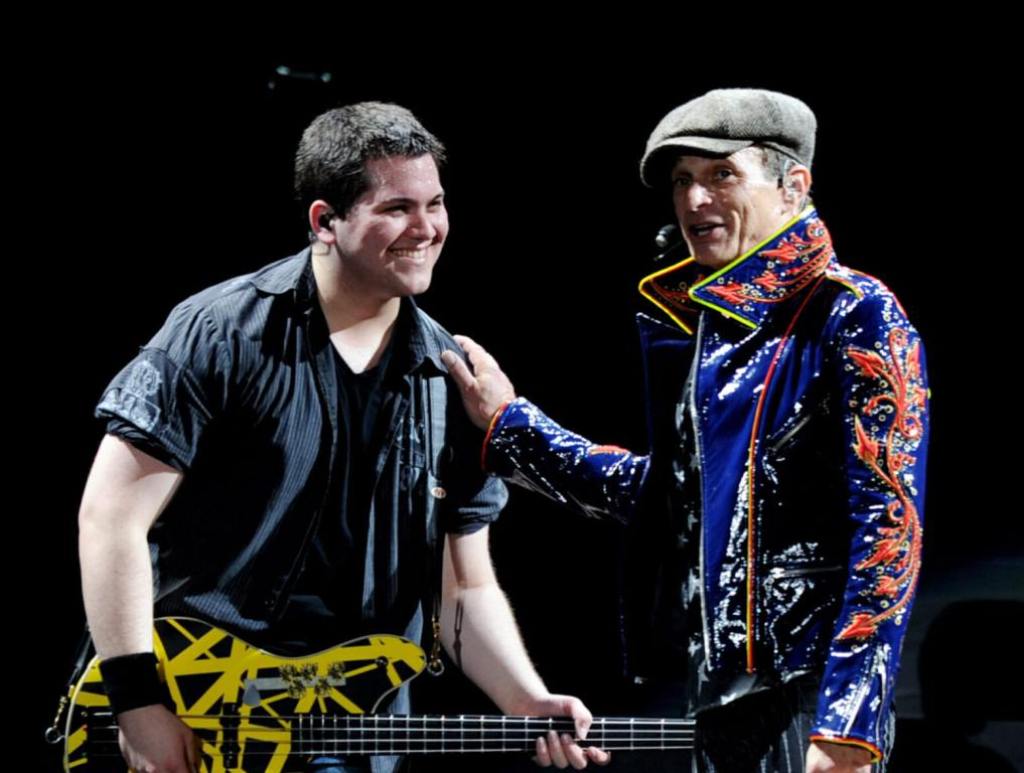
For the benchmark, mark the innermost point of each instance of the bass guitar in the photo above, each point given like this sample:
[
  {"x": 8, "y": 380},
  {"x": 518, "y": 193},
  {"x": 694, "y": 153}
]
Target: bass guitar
[{"x": 256, "y": 712}]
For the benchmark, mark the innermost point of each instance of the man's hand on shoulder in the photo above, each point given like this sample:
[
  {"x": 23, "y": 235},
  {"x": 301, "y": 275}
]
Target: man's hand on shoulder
[{"x": 485, "y": 388}]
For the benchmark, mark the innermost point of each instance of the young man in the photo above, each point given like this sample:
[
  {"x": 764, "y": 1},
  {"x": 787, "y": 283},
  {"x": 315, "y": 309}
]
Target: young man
[{"x": 284, "y": 450}]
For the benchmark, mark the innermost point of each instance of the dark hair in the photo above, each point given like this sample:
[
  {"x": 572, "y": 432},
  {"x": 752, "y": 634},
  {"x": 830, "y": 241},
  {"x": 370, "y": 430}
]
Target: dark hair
[
  {"x": 330, "y": 162},
  {"x": 776, "y": 164}
]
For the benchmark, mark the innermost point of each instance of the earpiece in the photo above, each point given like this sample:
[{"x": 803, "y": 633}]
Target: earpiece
[{"x": 789, "y": 188}]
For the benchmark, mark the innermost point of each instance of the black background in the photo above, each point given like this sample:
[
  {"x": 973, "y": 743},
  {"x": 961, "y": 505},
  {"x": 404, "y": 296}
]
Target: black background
[{"x": 156, "y": 170}]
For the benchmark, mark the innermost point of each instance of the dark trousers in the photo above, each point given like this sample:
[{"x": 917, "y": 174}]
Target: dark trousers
[{"x": 764, "y": 732}]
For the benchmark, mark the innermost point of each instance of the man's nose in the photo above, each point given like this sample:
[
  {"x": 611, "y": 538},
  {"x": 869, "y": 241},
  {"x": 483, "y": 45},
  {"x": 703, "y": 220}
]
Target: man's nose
[
  {"x": 697, "y": 196},
  {"x": 422, "y": 225}
]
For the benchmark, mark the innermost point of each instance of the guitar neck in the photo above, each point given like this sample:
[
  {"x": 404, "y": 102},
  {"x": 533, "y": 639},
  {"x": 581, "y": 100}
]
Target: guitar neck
[
  {"x": 376, "y": 734},
  {"x": 249, "y": 708}
]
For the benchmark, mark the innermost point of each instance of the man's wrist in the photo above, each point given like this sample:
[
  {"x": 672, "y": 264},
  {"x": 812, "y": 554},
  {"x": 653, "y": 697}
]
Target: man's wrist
[
  {"x": 131, "y": 681},
  {"x": 851, "y": 748}
]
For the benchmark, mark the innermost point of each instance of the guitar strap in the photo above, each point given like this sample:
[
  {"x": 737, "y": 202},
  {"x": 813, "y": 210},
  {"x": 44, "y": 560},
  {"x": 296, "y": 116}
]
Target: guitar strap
[
  {"x": 85, "y": 649},
  {"x": 434, "y": 396}
]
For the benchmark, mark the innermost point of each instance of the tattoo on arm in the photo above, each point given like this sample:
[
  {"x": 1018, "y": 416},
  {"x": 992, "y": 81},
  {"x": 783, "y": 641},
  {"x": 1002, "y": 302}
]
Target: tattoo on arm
[{"x": 457, "y": 644}]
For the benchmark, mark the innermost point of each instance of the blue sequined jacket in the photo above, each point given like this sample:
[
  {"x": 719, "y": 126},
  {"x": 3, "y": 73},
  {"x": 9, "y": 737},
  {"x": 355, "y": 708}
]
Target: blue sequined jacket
[{"x": 809, "y": 415}]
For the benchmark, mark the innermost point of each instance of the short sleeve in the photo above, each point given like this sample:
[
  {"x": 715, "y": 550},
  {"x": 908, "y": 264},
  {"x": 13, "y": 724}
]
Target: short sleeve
[
  {"x": 477, "y": 498},
  {"x": 164, "y": 399}
]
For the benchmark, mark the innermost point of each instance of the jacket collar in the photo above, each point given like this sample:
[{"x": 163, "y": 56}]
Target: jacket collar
[
  {"x": 747, "y": 289},
  {"x": 294, "y": 276}
]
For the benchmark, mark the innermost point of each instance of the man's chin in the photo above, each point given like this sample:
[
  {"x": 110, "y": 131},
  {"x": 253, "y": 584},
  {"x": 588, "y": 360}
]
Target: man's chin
[
  {"x": 712, "y": 260},
  {"x": 416, "y": 286}
]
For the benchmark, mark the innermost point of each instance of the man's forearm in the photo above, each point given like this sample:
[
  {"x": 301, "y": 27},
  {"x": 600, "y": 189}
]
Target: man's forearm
[
  {"x": 480, "y": 634},
  {"x": 126, "y": 491},
  {"x": 528, "y": 448},
  {"x": 117, "y": 584}
]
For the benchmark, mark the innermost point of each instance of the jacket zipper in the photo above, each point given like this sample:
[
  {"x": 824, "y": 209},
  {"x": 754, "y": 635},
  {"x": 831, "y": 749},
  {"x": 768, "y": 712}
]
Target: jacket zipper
[{"x": 694, "y": 420}]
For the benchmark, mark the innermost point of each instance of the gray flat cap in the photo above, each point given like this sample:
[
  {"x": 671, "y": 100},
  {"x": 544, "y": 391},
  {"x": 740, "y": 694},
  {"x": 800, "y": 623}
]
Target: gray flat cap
[{"x": 726, "y": 120}]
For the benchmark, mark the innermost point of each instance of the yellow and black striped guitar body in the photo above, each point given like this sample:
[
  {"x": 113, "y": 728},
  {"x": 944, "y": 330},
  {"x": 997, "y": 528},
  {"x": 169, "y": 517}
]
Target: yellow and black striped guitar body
[
  {"x": 244, "y": 703},
  {"x": 256, "y": 712}
]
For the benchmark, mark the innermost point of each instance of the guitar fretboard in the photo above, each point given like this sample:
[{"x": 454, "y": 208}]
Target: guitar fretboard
[{"x": 395, "y": 734}]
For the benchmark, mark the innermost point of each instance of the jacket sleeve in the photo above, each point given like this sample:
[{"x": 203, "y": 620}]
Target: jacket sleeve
[
  {"x": 526, "y": 447},
  {"x": 880, "y": 367}
]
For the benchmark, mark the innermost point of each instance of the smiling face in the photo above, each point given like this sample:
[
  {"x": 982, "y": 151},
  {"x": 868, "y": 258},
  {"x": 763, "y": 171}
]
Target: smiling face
[
  {"x": 726, "y": 206},
  {"x": 391, "y": 237}
]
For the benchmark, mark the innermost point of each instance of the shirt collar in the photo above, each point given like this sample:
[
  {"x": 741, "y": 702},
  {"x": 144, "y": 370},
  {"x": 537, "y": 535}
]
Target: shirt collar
[
  {"x": 294, "y": 275},
  {"x": 747, "y": 289}
]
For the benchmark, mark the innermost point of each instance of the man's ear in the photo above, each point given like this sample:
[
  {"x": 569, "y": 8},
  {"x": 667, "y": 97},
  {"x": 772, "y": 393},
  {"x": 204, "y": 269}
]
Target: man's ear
[
  {"x": 796, "y": 185},
  {"x": 320, "y": 215}
]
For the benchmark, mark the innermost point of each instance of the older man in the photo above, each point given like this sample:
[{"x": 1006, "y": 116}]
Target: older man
[{"x": 783, "y": 487}]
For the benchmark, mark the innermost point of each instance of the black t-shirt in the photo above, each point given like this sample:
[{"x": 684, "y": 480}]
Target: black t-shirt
[{"x": 334, "y": 583}]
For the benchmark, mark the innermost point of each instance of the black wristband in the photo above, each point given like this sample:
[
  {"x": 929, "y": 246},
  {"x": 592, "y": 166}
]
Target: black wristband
[{"x": 131, "y": 681}]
